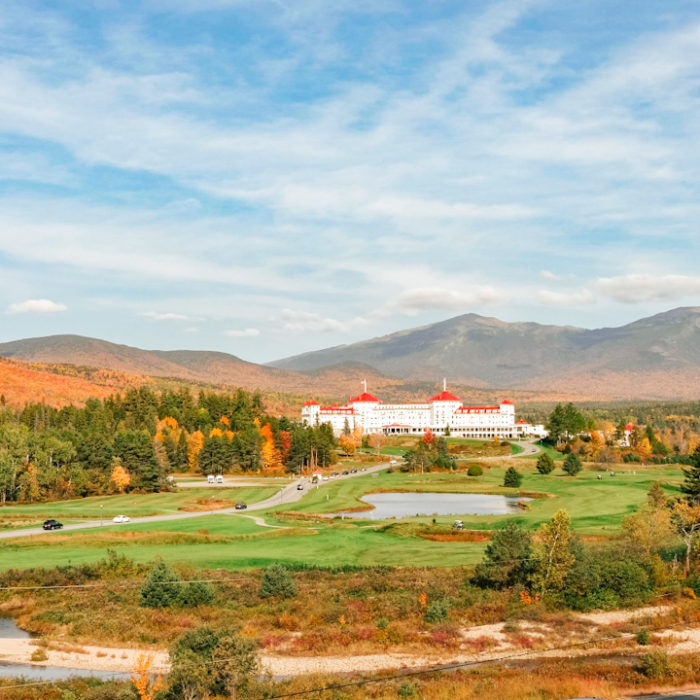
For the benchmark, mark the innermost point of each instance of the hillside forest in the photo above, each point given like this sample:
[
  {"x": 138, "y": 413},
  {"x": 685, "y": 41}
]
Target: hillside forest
[{"x": 135, "y": 440}]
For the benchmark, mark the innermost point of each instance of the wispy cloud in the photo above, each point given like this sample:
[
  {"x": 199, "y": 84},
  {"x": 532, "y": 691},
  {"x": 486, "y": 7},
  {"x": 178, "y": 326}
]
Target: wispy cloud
[
  {"x": 638, "y": 289},
  {"x": 573, "y": 298},
  {"x": 36, "y": 306},
  {"x": 245, "y": 333},
  {"x": 157, "y": 316}
]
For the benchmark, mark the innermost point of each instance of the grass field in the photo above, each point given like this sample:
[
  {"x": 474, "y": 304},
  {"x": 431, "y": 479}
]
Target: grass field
[
  {"x": 132, "y": 504},
  {"x": 597, "y": 507}
]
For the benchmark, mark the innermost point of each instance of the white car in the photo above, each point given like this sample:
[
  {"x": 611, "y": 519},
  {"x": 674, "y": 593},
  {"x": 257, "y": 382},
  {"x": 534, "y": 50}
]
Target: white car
[{"x": 120, "y": 519}]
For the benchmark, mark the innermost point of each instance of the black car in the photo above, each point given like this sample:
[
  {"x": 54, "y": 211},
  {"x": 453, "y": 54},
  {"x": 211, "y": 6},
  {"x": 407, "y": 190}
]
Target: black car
[
  {"x": 241, "y": 506},
  {"x": 52, "y": 524}
]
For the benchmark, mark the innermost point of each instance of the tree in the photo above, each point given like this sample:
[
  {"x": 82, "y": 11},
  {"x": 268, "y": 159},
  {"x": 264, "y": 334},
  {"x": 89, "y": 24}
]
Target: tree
[
  {"x": 572, "y": 464},
  {"x": 508, "y": 559},
  {"x": 691, "y": 479},
  {"x": 206, "y": 662},
  {"x": 564, "y": 422},
  {"x": 686, "y": 519},
  {"x": 554, "y": 556},
  {"x": 162, "y": 587},
  {"x": 513, "y": 478},
  {"x": 119, "y": 477},
  {"x": 276, "y": 582},
  {"x": 545, "y": 464}
]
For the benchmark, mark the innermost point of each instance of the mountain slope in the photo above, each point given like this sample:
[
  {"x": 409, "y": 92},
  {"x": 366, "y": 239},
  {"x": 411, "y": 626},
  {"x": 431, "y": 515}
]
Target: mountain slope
[{"x": 655, "y": 357}]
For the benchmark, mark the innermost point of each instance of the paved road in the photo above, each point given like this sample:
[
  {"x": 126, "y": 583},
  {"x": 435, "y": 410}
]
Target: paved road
[
  {"x": 684, "y": 695},
  {"x": 286, "y": 495}
]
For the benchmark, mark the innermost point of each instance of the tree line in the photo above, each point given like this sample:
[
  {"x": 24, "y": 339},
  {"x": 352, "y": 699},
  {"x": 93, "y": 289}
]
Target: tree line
[{"x": 135, "y": 440}]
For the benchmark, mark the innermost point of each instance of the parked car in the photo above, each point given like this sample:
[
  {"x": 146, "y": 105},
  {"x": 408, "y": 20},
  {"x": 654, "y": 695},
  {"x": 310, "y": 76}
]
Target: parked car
[
  {"x": 219, "y": 479},
  {"x": 353, "y": 471},
  {"x": 210, "y": 478},
  {"x": 52, "y": 524},
  {"x": 346, "y": 472},
  {"x": 121, "y": 519},
  {"x": 458, "y": 525},
  {"x": 241, "y": 506},
  {"x": 300, "y": 487}
]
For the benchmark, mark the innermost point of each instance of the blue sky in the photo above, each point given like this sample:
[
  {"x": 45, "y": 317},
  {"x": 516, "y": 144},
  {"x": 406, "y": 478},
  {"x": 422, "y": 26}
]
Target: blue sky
[{"x": 269, "y": 177}]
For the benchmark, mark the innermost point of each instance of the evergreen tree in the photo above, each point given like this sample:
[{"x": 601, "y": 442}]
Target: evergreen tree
[
  {"x": 276, "y": 582},
  {"x": 545, "y": 464},
  {"x": 512, "y": 478},
  {"x": 508, "y": 559},
  {"x": 691, "y": 479},
  {"x": 162, "y": 587},
  {"x": 572, "y": 464}
]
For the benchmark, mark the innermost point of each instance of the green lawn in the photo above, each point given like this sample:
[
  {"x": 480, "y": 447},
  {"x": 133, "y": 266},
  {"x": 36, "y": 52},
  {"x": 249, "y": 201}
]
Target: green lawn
[
  {"x": 134, "y": 504},
  {"x": 596, "y": 507}
]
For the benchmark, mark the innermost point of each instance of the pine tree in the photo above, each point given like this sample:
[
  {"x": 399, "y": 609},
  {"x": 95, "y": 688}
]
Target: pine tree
[
  {"x": 162, "y": 587},
  {"x": 545, "y": 464},
  {"x": 572, "y": 464},
  {"x": 691, "y": 480},
  {"x": 508, "y": 559},
  {"x": 513, "y": 478}
]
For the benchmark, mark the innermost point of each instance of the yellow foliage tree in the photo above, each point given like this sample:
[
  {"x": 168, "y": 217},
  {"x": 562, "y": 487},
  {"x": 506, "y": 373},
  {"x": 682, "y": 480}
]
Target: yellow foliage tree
[
  {"x": 120, "y": 477},
  {"x": 347, "y": 444},
  {"x": 225, "y": 420},
  {"x": 195, "y": 443},
  {"x": 216, "y": 432}
]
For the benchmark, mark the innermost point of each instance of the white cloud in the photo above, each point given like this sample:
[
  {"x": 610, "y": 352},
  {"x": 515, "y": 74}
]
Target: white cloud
[
  {"x": 307, "y": 321},
  {"x": 423, "y": 298},
  {"x": 638, "y": 288},
  {"x": 36, "y": 306},
  {"x": 246, "y": 333},
  {"x": 156, "y": 316},
  {"x": 550, "y": 298}
]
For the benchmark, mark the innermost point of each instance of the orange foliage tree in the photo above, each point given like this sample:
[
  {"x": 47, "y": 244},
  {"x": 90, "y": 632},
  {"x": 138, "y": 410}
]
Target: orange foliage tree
[
  {"x": 141, "y": 679},
  {"x": 195, "y": 443}
]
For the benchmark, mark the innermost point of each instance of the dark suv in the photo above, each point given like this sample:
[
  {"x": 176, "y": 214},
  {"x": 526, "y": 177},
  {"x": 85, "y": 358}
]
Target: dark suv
[{"x": 52, "y": 525}]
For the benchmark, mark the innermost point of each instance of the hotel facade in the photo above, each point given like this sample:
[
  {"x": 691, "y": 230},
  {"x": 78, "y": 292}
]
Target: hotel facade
[{"x": 442, "y": 413}]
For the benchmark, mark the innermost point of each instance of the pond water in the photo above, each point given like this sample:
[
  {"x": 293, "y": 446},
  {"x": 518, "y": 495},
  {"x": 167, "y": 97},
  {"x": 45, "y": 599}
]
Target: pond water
[
  {"x": 9, "y": 630},
  {"x": 404, "y": 505}
]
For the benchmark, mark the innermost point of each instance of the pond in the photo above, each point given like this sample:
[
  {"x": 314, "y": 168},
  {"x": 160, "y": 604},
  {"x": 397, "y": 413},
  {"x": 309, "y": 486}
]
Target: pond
[
  {"x": 9, "y": 630},
  {"x": 404, "y": 505}
]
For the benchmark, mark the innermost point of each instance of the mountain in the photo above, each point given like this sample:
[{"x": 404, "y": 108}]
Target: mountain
[
  {"x": 215, "y": 369},
  {"x": 653, "y": 358}
]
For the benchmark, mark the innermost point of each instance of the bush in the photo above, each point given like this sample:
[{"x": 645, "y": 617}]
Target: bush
[
  {"x": 657, "y": 664},
  {"x": 276, "y": 582},
  {"x": 193, "y": 594},
  {"x": 643, "y": 637},
  {"x": 436, "y": 611},
  {"x": 474, "y": 470},
  {"x": 572, "y": 464},
  {"x": 545, "y": 464},
  {"x": 512, "y": 478},
  {"x": 407, "y": 690}
]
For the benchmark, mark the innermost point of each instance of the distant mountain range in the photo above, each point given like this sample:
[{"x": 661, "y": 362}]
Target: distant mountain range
[
  {"x": 653, "y": 358},
  {"x": 656, "y": 357}
]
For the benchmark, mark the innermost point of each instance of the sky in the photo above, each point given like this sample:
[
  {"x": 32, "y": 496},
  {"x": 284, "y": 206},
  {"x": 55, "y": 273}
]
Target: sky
[{"x": 268, "y": 177}]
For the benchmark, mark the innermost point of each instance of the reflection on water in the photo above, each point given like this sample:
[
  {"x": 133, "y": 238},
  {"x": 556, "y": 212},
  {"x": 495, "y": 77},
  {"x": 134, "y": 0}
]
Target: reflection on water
[
  {"x": 9, "y": 630},
  {"x": 404, "y": 505}
]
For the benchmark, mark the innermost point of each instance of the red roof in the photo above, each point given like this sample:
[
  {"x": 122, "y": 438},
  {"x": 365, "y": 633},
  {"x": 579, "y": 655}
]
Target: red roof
[
  {"x": 506, "y": 401},
  {"x": 364, "y": 397},
  {"x": 310, "y": 403},
  {"x": 445, "y": 396},
  {"x": 396, "y": 425},
  {"x": 629, "y": 427},
  {"x": 522, "y": 422}
]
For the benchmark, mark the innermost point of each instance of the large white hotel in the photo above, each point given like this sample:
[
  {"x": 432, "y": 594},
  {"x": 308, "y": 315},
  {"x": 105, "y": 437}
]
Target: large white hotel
[{"x": 442, "y": 413}]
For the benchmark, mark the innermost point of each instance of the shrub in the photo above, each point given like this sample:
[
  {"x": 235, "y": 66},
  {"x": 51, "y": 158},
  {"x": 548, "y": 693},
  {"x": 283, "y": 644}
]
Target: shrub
[
  {"x": 512, "y": 478},
  {"x": 643, "y": 637},
  {"x": 545, "y": 464},
  {"x": 193, "y": 594},
  {"x": 572, "y": 464},
  {"x": 406, "y": 690},
  {"x": 436, "y": 611},
  {"x": 474, "y": 470},
  {"x": 276, "y": 582},
  {"x": 657, "y": 664}
]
